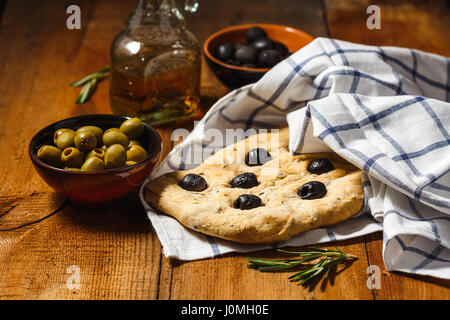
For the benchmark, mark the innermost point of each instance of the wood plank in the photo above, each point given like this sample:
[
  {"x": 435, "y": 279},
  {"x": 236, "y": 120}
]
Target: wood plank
[
  {"x": 118, "y": 259},
  {"x": 115, "y": 248},
  {"x": 421, "y": 25},
  {"x": 213, "y": 16},
  {"x": 414, "y": 24},
  {"x": 229, "y": 278}
]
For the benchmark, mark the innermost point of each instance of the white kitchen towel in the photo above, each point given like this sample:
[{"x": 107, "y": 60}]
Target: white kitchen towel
[{"x": 385, "y": 109}]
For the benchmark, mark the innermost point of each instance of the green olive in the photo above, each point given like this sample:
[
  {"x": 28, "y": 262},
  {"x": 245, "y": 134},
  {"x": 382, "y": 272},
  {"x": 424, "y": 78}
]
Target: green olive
[
  {"x": 72, "y": 169},
  {"x": 96, "y": 152},
  {"x": 72, "y": 157},
  {"x": 134, "y": 142},
  {"x": 50, "y": 155},
  {"x": 59, "y": 132},
  {"x": 115, "y": 137},
  {"x": 115, "y": 156},
  {"x": 98, "y": 133},
  {"x": 132, "y": 128},
  {"x": 93, "y": 164},
  {"x": 85, "y": 141},
  {"x": 112, "y": 129},
  {"x": 136, "y": 153},
  {"x": 65, "y": 140},
  {"x": 130, "y": 163}
]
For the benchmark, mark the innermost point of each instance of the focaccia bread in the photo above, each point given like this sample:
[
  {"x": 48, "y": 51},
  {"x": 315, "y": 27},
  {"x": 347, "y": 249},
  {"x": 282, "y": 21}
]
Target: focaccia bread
[{"x": 283, "y": 195}]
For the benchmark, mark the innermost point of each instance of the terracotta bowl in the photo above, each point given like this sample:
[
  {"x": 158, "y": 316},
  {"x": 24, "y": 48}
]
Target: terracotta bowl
[
  {"x": 95, "y": 188},
  {"x": 233, "y": 76}
]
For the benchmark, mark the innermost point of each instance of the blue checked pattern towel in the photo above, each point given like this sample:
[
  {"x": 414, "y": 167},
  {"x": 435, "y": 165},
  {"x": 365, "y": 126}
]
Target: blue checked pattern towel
[{"x": 385, "y": 109}]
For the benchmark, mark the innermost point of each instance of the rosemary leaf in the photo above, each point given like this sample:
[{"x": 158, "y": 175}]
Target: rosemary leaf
[
  {"x": 327, "y": 261},
  {"x": 104, "y": 73},
  {"x": 89, "y": 84},
  {"x": 87, "y": 91}
]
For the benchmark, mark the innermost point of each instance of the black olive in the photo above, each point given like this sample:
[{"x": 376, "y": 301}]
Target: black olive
[
  {"x": 257, "y": 157},
  {"x": 239, "y": 45},
  {"x": 246, "y": 54},
  {"x": 247, "y": 201},
  {"x": 281, "y": 48},
  {"x": 263, "y": 44},
  {"x": 193, "y": 182},
  {"x": 232, "y": 62},
  {"x": 248, "y": 65},
  {"x": 224, "y": 51},
  {"x": 268, "y": 58},
  {"x": 320, "y": 165},
  {"x": 255, "y": 33},
  {"x": 245, "y": 180},
  {"x": 312, "y": 190}
]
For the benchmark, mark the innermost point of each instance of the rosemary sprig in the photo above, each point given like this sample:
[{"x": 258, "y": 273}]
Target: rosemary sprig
[
  {"x": 328, "y": 261},
  {"x": 89, "y": 84}
]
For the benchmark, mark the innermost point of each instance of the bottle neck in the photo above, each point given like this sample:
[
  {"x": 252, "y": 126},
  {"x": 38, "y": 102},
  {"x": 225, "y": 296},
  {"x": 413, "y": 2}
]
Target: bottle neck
[{"x": 160, "y": 15}]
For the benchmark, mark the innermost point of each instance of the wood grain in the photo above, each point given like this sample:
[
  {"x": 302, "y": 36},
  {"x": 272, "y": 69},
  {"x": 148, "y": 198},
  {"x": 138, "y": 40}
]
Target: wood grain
[
  {"x": 414, "y": 24},
  {"x": 115, "y": 247},
  {"x": 229, "y": 278}
]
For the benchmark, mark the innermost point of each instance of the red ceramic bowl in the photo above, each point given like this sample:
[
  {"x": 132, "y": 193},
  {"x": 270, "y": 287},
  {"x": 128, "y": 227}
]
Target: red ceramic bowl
[
  {"x": 233, "y": 76},
  {"x": 94, "y": 188}
]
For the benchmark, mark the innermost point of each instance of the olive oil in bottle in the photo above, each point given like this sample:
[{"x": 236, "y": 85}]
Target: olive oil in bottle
[{"x": 155, "y": 65}]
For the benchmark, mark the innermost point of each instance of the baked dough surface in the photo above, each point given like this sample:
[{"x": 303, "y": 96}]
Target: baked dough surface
[{"x": 283, "y": 213}]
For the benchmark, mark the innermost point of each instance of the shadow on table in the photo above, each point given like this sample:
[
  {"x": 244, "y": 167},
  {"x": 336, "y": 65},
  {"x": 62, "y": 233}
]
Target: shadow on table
[{"x": 124, "y": 216}]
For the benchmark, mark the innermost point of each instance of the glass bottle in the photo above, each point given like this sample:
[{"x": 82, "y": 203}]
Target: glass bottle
[{"x": 155, "y": 64}]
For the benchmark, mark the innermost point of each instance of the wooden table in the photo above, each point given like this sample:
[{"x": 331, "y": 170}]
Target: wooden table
[{"x": 114, "y": 248}]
